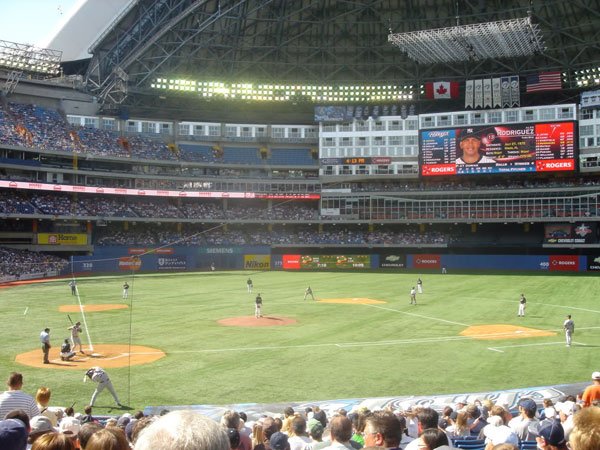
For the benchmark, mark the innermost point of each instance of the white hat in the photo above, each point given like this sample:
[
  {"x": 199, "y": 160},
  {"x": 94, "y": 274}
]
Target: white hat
[
  {"x": 567, "y": 408},
  {"x": 596, "y": 376},
  {"x": 502, "y": 435},
  {"x": 69, "y": 425}
]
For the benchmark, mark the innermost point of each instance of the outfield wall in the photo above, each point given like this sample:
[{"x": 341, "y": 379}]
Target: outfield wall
[{"x": 179, "y": 258}]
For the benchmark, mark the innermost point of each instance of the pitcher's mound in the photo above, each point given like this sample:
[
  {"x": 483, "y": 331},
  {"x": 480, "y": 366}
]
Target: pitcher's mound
[
  {"x": 251, "y": 321},
  {"x": 91, "y": 308},
  {"x": 353, "y": 301},
  {"x": 494, "y": 332},
  {"x": 103, "y": 355}
]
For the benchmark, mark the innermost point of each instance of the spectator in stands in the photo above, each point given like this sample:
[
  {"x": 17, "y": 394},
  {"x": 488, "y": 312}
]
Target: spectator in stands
[
  {"x": 86, "y": 431},
  {"x": 474, "y": 419},
  {"x": 15, "y": 398},
  {"x": 340, "y": 429},
  {"x": 383, "y": 429},
  {"x": 40, "y": 425},
  {"x": 586, "y": 430},
  {"x": 552, "y": 436},
  {"x": 432, "y": 439},
  {"x": 427, "y": 418},
  {"x": 298, "y": 436},
  {"x": 525, "y": 425},
  {"x": 279, "y": 441},
  {"x": 459, "y": 426},
  {"x": 496, "y": 432},
  {"x": 42, "y": 398},
  {"x": 231, "y": 419},
  {"x": 112, "y": 438},
  {"x": 13, "y": 434},
  {"x": 316, "y": 430},
  {"x": 54, "y": 441},
  {"x": 592, "y": 392},
  {"x": 175, "y": 430}
]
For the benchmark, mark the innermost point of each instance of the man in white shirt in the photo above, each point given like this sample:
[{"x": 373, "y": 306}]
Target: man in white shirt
[
  {"x": 341, "y": 431},
  {"x": 470, "y": 144},
  {"x": 14, "y": 398},
  {"x": 299, "y": 437},
  {"x": 525, "y": 425}
]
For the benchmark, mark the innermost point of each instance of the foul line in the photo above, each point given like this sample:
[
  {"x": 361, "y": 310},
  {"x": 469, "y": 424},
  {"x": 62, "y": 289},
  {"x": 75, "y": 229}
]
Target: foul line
[
  {"x": 418, "y": 315},
  {"x": 497, "y": 349}
]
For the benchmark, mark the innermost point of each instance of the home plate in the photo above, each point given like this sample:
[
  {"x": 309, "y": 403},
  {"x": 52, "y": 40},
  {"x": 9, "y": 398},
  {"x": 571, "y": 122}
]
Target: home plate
[{"x": 96, "y": 355}]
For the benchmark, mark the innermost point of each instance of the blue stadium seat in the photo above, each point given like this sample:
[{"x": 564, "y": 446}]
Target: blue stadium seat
[
  {"x": 528, "y": 445},
  {"x": 470, "y": 444}
]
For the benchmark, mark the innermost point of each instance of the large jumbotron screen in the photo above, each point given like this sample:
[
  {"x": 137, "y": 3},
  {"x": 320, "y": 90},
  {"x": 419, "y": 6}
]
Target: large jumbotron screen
[{"x": 493, "y": 149}]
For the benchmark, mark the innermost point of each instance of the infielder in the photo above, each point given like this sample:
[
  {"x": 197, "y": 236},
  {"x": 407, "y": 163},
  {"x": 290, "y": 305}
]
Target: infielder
[
  {"x": 98, "y": 375},
  {"x": 73, "y": 286},
  {"x": 75, "y": 339},
  {"x": 569, "y": 327},
  {"x": 522, "y": 304},
  {"x": 413, "y": 296},
  {"x": 258, "y": 306},
  {"x": 308, "y": 292}
]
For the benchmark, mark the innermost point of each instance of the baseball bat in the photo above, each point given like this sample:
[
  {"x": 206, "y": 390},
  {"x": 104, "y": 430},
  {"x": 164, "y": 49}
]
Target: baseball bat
[{"x": 70, "y": 320}]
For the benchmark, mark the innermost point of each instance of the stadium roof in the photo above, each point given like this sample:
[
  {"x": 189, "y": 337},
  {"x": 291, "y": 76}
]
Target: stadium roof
[{"x": 321, "y": 42}]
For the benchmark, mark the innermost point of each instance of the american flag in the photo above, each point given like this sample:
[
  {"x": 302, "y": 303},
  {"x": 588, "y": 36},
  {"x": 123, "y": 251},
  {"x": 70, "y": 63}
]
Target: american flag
[{"x": 545, "y": 81}]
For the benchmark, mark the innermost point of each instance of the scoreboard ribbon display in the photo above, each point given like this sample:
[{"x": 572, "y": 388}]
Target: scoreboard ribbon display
[
  {"x": 311, "y": 262},
  {"x": 532, "y": 147}
]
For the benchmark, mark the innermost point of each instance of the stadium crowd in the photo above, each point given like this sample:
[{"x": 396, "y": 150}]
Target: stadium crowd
[
  {"x": 572, "y": 423},
  {"x": 23, "y": 263}
]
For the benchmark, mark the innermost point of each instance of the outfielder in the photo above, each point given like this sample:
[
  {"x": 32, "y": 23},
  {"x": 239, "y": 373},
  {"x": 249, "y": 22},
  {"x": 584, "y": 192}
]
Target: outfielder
[
  {"x": 249, "y": 285},
  {"x": 413, "y": 296},
  {"x": 98, "y": 375},
  {"x": 125, "y": 290},
  {"x": 75, "y": 339},
  {"x": 419, "y": 286},
  {"x": 522, "y": 304}
]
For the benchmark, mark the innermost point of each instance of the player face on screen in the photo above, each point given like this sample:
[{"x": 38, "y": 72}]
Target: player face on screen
[{"x": 470, "y": 149}]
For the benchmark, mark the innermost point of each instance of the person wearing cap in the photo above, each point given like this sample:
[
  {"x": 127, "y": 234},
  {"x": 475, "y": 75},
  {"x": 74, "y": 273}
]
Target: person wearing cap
[
  {"x": 15, "y": 398},
  {"x": 258, "y": 306},
  {"x": 470, "y": 145},
  {"x": 13, "y": 434},
  {"x": 98, "y": 375},
  {"x": 552, "y": 436},
  {"x": 316, "y": 430},
  {"x": 279, "y": 441},
  {"x": 45, "y": 341},
  {"x": 249, "y": 285},
  {"x": 65, "y": 351},
  {"x": 39, "y": 425},
  {"x": 592, "y": 392},
  {"x": 75, "y": 339},
  {"x": 569, "y": 327},
  {"x": 125, "y": 290},
  {"x": 413, "y": 296},
  {"x": 525, "y": 425},
  {"x": 522, "y": 306}
]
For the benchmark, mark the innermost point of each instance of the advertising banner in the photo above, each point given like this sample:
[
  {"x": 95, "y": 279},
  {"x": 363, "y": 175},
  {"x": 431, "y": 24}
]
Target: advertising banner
[
  {"x": 257, "y": 262},
  {"x": 62, "y": 239},
  {"x": 563, "y": 263},
  {"x": 426, "y": 261},
  {"x": 128, "y": 263},
  {"x": 326, "y": 262},
  {"x": 593, "y": 263},
  {"x": 177, "y": 263},
  {"x": 392, "y": 261}
]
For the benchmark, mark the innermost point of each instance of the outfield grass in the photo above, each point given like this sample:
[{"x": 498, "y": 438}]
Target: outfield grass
[{"x": 334, "y": 351}]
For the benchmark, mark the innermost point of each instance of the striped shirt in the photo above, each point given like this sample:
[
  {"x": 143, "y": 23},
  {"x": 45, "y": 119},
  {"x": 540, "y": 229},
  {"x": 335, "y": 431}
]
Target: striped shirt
[{"x": 11, "y": 400}]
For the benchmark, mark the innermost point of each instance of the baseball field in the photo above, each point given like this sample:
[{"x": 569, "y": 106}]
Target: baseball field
[{"x": 191, "y": 338}]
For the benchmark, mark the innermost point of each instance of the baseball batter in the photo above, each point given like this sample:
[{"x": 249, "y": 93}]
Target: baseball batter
[{"x": 75, "y": 339}]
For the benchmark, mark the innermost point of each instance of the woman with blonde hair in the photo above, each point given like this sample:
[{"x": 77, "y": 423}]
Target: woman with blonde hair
[
  {"x": 258, "y": 436},
  {"x": 42, "y": 398},
  {"x": 459, "y": 427}
]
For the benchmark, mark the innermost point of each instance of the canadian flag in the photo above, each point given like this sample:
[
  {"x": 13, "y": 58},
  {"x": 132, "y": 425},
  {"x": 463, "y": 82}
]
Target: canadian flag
[{"x": 441, "y": 89}]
